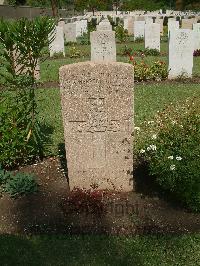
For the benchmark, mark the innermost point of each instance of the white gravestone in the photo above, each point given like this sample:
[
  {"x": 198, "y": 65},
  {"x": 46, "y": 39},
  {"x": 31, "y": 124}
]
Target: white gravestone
[
  {"x": 139, "y": 29},
  {"x": 70, "y": 32},
  {"x": 196, "y": 33},
  {"x": 81, "y": 27},
  {"x": 129, "y": 25},
  {"x": 57, "y": 46},
  {"x": 160, "y": 21},
  {"x": 103, "y": 46},
  {"x": 172, "y": 25},
  {"x": 152, "y": 36},
  {"x": 187, "y": 23},
  {"x": 181, "y": 48},
  {"x": 104, "y": 26}
]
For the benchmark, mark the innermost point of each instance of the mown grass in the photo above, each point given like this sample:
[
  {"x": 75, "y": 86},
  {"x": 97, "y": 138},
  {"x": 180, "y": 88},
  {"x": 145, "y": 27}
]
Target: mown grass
[
  {"x": 50, "y": 68},
  {"x": 100, "y": 250},
  {"x": 149, "y": 98}
]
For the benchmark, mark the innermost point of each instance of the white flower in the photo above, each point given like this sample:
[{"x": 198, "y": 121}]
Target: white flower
[
  {"x": 172, "y": 167},
  {"x": 151, "y": 147},
  {"x": 154, "y": 136},
  {"x": 150, "y": 122},
  {"x": 142, "y": 151},
  {"x": 178, "y": 158},
  {"x": 137, "y": 128},
  {"x": 170, "y": 157}
]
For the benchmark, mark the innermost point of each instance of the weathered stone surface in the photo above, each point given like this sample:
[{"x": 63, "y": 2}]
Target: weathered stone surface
[
  {"x": 139, "y": 29},
  {"x": 81, "y": 27},
  {"x": 152, "y": 36},
  {"x": 187, "y": 23},
  {"x": 129, "y": 24},
  {"x": 181, "y": 46},
  {"x": 172, "y": 25},
  {"x": 196, "y": 31},
  {"x": 160, "y": 21},
  {"x": 104, "y": 26},
  {"x": 57, "y": 46},
  {"x": 103, "y": 46},
  {"x": 70, "y": 32},
  {"x": 97, "y": 109}
]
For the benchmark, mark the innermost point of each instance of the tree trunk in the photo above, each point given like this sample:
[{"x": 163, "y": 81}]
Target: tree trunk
[
  {"x": 54, "y": 8},
  {"x": 179, "y": 4}
]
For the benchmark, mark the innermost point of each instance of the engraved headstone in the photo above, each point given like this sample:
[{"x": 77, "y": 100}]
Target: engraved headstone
[
  {"x": 97, "y": 109},
  {"x": 103, "y": 46},
  {"x": 70, "y": 32},
  {"x": 152, "y": 36},
  {"x": 196, "y": 32},
  {"x": 181, "y": 46},
  {"x": 57, "y": 46}
]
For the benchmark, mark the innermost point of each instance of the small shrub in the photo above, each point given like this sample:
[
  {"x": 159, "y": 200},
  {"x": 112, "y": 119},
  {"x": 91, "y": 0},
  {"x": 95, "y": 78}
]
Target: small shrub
[
  {"x": 126, "y": 51},
  {"x": 121, "y": 34},
  {"x": 172, "y": 151},
  {"x": 84, "y": 40},
  {"x": 151, "y": 52},
  {"x": 139, "y": 39},
  {"x": 17, "y": 184},
  {"x": 196, "y": 52},
  {"x": 156, "y": 71},
  {"x": 74, "y": 52}
]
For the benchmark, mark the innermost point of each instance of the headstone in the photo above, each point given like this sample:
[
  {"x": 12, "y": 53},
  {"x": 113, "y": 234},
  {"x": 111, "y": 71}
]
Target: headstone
[
  {"x": 97, "y": 109},
  {"x": 196, "y": 32},
  {"x": 160, "y": 21},
  {"x": 152, "y": 36},
  {"x": 70, "y": 32},
  {"x": 187, "y": 23},
  {"x": 129, "y": 25},
  {"x": 57, "y": 46},
  {"x": 61, "y": 23},
  {"x": 103, "y": 46},
  {"x": 81, "y": 27},
  {"x": 181, "y": 48},
  {"x": 139, "y": 29},
  {"x": 172, "y": 25},
  {"x": 104, "y": 26}
]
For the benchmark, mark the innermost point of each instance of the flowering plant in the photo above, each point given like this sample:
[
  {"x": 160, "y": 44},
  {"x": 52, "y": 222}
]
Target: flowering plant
[{"x": 172, "y": 151}]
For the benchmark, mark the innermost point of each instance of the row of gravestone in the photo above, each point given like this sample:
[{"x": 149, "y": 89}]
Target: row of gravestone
[{"x": 182, "y": 43}]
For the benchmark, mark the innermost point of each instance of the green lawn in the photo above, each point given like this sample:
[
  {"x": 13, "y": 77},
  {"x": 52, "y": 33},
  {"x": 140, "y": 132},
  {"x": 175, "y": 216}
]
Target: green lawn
[
  {"x": 100, "y": 250},
  {"x": 49, "y": 68}
]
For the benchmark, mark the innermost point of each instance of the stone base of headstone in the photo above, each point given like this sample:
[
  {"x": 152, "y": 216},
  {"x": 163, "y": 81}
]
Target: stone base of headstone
[{"x": 97, "y": 109}]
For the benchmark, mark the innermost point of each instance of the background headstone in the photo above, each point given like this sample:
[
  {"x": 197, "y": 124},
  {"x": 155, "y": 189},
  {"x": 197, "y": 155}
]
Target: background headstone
[
  {"x": 152, "y": 36},
  {"x": 196, "y": 31},
  {"x": 97, "y": 109},
  {"x": 139, "y": 29},
  {"x": 103, "y": 46},
  {"x": 181, "y": 47},
  {"x": 104, "y": 26},
  {"x": 70, "y": 32},
  {"x": 57, "y": 46}
]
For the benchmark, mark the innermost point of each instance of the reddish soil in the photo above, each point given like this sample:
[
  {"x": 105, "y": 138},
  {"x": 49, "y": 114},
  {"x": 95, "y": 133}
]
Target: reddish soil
[{"x": 125, "y": 213}]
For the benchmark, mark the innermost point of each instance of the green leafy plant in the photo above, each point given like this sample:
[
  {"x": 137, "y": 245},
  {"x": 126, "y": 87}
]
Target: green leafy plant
[
  {"x": 139, "y": 39},
  {"x": 143, "y": 71},
  {"x": 74, "y": 52},
  {"x": 17, "y": 184},
  {"x": 121, "y": 34},
  {"x": 172, "y": 151},
  {"x": 22, "y": 43},
  {"x": 151, "y": 52}
]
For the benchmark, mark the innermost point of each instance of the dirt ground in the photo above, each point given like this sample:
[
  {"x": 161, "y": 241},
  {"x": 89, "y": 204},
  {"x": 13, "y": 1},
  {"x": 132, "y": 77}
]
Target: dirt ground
[{"x": 139, "y": 212}]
